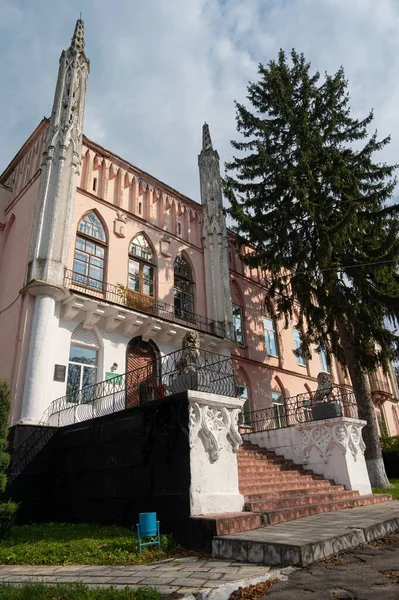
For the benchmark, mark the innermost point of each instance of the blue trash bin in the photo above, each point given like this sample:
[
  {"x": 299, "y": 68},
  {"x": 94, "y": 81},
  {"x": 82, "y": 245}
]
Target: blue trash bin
[{"x": 148, "y": 527}]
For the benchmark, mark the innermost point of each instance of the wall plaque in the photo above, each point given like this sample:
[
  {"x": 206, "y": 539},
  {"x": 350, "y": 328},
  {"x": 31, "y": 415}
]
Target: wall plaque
[{"x": 59, "y": 372}]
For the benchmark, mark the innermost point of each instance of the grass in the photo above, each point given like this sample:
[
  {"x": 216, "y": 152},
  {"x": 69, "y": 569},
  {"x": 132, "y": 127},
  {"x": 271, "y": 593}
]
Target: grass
[
  {"x": 74, "y": 591},
  {"x": 394, "y": 490},
  {"x": 65, "y": 543}
]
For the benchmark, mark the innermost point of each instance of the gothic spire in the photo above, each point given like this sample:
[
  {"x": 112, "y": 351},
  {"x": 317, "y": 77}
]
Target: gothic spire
[
  {"x": 206, "y": 138},
  {"x": 78, "y": 42}
]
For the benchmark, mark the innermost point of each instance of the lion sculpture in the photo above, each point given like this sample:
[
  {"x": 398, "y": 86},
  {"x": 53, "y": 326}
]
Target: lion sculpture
[
  {"x": 324, "y": 388},
  {"x": 188, "y": 361}
]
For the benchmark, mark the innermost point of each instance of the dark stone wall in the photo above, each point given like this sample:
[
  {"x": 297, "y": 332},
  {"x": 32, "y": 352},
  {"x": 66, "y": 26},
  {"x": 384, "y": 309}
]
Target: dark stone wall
[{"x": 109, "y": 469}]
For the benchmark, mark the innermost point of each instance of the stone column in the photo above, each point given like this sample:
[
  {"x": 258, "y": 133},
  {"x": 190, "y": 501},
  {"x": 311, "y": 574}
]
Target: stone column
[
  {"x": 214, "y": 442},
  {"x": 334, "y": 448},
  {"x": 40, "y": 363}
]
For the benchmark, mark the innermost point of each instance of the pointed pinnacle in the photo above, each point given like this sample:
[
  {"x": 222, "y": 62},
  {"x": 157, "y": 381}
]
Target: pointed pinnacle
[
  {"x": 206, "y": 138},
  {"x": 78, "y": 42}
]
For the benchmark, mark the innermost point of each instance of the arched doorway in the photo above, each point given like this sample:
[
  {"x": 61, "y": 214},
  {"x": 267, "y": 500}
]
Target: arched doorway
[{"x": 142, "y": 371}]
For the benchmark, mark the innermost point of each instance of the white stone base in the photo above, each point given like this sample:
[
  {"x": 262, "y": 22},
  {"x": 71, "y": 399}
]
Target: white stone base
[
  {"x": 333, "y": 448},
  {"x": 214, "y": 441},
  {"x": 207, "y": 504}
]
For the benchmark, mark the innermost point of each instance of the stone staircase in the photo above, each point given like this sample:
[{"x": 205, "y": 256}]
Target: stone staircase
[{"x": 277, "y": 490}]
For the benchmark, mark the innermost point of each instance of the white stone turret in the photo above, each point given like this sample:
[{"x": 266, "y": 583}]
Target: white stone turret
[
  {"x": 214, "y": 236},
  {"x": 51, "y": 232},
  {"x": 52, "y": 226}
]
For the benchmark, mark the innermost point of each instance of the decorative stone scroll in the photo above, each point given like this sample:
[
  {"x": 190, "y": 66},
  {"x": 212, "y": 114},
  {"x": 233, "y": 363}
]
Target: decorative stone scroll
[
  {"x": 324, "y": 437},
  {"x": 214, "y": 440},
  {"x": 214, "y": 425}
]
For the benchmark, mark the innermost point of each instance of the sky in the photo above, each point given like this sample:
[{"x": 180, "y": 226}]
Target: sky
[{"x": 160, "y": 68}]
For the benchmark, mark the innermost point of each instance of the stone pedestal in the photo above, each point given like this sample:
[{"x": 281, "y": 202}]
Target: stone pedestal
[
  {"x": 334, "y": 448},
  {"x": 214, "y": 442}
]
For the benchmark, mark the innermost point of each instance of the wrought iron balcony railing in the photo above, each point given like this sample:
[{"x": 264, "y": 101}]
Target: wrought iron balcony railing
[
  {"x": 300, "y": 409},
  {"x": 379, "y": 385},
  {"x": 213, "y": 373},
  {"x": 144, "y": 304}
]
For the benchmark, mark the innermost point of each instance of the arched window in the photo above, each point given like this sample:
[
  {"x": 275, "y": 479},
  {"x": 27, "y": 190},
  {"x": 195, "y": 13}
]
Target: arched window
[
  {"x": 141, "y": 267},
  {"x": 395, "y": 418},
  {"x": 183, "y": 289},
  {"x": 90, "y": 250},
  {"x": 82, "y": 365}
]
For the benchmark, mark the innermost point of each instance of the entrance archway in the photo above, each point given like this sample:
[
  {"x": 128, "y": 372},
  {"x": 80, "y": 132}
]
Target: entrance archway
[{"x": 141, "y": 369}]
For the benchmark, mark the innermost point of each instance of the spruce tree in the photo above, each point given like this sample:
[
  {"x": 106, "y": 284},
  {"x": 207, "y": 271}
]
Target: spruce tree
[{"x": 307, "y": 195}]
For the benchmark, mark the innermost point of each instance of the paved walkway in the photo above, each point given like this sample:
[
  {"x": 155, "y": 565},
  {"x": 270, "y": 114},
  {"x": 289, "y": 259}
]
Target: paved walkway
[
  {"x": 182, "y": 575},
  {"x": 368, "y": 572}
]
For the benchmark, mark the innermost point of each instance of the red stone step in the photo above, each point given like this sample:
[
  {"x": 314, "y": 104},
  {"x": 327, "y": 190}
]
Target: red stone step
[
  {"x": 295, "y": 501},
  {"x": 289, "y": 476},
  {"x": 273, "y": 517},
  {"x": 292, "y": 493},
  {"x": 225, "y": 524},
  {"x": 265, "y": 487}
]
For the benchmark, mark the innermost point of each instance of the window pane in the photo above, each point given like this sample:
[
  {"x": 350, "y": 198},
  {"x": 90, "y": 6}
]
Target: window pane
[
  {"x": 148, "y": 272},
  {"x": 237, "y": 323},
  {"x": 90, "y": 247},
  {"x": 87, "y": 356},
  {"x": 79, "y": 267},
  {"x": 270, "y": 337},
  {"x": 96, "y": 273},
  {"x": 73, "y": 378},
  {"x": 80, "y": 243},
  {"x": 298, "y": 343},
  {"x": 323, "y": 361},
  {"x": 134, "y": 267},
  {"x": 91, "y": 225},
  {"x": 81, "y": 256},
  {"x": 98, "y": 262},
  {"x": 148, "y": 289},
  {"x": 100, "y": 251}
]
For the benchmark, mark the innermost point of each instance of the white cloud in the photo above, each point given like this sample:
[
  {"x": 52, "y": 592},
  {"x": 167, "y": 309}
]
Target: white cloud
[{"x": 160, "y": 68}]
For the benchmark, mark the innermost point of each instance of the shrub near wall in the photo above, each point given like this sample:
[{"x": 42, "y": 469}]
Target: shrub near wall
[
  {"x": 7, "y": 509},
  {"x": 390, "y": 453}
]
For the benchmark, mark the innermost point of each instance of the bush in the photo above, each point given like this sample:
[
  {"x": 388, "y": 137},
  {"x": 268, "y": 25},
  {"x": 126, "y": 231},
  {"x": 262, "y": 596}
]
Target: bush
[
  {"x": 8, "y": 512},
  {"x": 390, "y": 445},
  {"x": 5, "y": 405}
]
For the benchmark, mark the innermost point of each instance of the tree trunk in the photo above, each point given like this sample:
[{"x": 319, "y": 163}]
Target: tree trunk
[{"x": 366, "y": 411}]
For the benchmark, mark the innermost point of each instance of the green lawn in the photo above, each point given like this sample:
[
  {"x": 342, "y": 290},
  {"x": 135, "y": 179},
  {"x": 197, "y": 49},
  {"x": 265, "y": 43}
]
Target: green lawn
[
  {"x": 64, "y": 543},
  {"x": 74, "y": 591},
  {"x": 394, "y": 491}
]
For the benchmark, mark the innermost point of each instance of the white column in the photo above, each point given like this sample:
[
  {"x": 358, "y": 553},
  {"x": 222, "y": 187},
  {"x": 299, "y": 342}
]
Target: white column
[
  {"x": 40, "y": 360},
  {"x": 214, "y": 442}
]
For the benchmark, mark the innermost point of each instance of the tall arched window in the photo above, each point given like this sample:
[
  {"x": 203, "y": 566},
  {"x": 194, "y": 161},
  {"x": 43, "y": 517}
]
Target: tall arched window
[
  {"x": 82, "y": 365},
  {"x": 141, "y": 267},
  {"x": 183, "y": 289},
  {"x": 90, "y": 250}
]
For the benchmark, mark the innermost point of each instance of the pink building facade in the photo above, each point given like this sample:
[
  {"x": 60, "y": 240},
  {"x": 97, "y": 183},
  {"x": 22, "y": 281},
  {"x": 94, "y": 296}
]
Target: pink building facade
[{"x": 103, "y": 267}]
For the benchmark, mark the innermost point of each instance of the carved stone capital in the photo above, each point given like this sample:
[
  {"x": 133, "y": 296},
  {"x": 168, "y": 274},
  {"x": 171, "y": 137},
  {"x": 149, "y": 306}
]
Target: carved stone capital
[
  {"x": 324, "y": 436},
  {"x": 215, "y": 423}
]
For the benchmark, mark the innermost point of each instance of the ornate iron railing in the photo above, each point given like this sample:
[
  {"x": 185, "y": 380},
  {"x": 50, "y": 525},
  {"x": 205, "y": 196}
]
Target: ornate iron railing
[
  {"x": 213, "y": 373},
  {"x": 301, "y": 409},
  {"x": 118, "y": 294},
  {"x": 379, "y": 385}
]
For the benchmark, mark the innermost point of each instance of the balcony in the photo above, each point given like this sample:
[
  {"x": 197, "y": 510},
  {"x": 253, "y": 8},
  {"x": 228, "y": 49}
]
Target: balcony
[
  {"x": 213, "y": 373},
  {"x": 145, "y": 305},
  {"x": 379, "y": 386}
]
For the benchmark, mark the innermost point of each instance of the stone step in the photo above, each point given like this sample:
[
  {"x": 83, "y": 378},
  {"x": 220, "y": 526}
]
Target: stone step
[
  {"x": 264, "y": 486},
  {"x": 288, "y": 477},
  {"x": 313, "y": 538},
  {"x": 228, "y": 523},
  {"x": 264, "y": 468},
  {"x": 292, "y": 493},
  {"x": 273, "y": 517},
  {"x": 299, "y": 501}
]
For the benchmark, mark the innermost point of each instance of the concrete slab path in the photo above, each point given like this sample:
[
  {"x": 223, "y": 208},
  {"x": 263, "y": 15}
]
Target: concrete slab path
[
  {"x": 184, "y": 576},
  {"x": 304, "y": 541}
]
